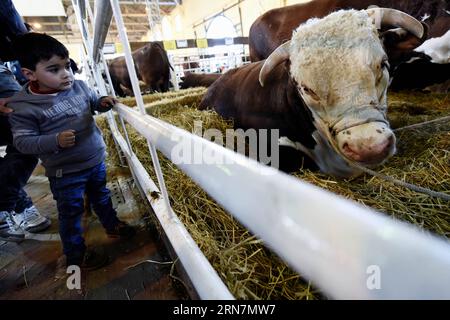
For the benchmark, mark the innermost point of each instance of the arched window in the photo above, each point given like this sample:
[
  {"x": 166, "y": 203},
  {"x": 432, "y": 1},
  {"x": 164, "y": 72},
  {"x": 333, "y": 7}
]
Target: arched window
[{"x": 221, "y": 27}]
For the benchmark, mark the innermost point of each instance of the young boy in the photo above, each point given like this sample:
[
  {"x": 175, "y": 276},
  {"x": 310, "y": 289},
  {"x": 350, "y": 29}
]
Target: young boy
[{"x": 53, "y": 118}]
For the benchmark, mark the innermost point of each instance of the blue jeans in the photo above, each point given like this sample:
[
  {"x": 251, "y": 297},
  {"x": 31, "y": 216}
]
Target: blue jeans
[{"x": 68, "y": 191}]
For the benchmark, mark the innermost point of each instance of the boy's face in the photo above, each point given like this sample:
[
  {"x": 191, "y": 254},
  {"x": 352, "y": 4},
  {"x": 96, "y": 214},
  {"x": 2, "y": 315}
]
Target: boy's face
[{"x": 53, "y": 74}]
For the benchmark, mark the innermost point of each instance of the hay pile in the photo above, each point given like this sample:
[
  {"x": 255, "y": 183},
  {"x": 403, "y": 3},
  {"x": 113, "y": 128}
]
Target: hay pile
[{"x": 252, "y": 271}]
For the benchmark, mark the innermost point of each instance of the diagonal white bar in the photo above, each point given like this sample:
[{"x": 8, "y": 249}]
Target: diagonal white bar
[{"x": 205, "y": 279}]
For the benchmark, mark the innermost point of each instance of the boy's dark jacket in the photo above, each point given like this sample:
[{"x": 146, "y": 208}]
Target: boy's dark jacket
[{"x": 37, "y": 119}]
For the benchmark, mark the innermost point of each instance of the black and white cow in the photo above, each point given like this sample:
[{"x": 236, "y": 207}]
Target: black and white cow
[{"x": 427, "y": 67}]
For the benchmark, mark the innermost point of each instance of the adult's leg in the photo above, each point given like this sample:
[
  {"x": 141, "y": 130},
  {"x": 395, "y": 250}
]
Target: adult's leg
[
  {"x": 15, "y": 170},
  {"x": 15, "y": 167}
]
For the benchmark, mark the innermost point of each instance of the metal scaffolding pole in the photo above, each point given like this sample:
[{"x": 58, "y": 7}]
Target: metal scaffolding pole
[{"x": 103, "y": 16}]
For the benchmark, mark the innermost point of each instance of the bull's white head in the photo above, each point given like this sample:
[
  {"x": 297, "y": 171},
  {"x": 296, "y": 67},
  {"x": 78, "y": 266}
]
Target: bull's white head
[{"x": 341, "y": 72}]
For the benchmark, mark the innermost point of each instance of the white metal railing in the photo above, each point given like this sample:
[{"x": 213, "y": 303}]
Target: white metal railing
[
  {"x": 332, "y": 241},
  {"x": 183, "y": 63},
  {"x": 347, "y": 250}
]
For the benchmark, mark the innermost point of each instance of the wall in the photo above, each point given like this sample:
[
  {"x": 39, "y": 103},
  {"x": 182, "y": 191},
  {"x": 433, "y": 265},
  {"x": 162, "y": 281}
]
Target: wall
[
  {"x": 75, "y": 51},
  {"x": 39, "y": 8},
  {"x": 179, "y": 25}
]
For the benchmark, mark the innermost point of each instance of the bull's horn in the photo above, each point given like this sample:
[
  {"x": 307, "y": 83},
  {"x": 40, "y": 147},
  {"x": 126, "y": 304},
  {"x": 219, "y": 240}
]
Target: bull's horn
[
  {"x": 280, "y": 55},
  {"x": 387, "y": 16}
]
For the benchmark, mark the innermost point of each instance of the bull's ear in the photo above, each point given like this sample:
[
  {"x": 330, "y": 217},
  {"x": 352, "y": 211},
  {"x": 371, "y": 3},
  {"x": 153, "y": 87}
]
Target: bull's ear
[{"x": 398, "y": 43}]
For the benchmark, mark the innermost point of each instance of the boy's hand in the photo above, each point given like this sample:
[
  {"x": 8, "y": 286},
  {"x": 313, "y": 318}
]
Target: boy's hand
[
  {"x": 3, "y": 109},
  {"x": 66, "y": 139},
  {"x": 108, "y": 102}
]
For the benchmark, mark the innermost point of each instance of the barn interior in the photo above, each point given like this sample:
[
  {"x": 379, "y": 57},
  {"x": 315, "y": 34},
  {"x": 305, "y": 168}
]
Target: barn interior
[{"x": 165, "y": 201}]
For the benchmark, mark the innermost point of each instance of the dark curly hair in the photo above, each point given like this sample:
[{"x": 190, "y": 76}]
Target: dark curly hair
[{"x": 34, "y": 47}]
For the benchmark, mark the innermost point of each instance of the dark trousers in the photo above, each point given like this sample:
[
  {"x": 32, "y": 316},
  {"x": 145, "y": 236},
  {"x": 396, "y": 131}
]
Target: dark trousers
[
  {"x": 15, "y": 170},
  {"x": 68, "y": 191},
  {"x": 15, "y": 167}
]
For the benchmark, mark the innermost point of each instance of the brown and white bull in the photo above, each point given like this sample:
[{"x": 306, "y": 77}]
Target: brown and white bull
[{"x": 325, "y": 91}]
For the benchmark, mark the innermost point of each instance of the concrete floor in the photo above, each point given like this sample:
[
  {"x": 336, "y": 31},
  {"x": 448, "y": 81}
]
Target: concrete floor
[{"x": 139, "y": 268}]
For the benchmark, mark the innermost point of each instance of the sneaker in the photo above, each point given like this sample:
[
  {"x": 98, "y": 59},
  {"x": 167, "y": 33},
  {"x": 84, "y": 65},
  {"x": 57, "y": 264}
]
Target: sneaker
[
  {"x": 31, "y": 220},
  {"x": 9, "y": 230},
  {"x": 92, "y": 260},
  {"x": 121, "y": 230}
]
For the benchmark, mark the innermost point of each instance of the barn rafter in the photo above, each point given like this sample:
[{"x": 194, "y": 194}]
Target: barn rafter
[{"x": 135, "y": 15}]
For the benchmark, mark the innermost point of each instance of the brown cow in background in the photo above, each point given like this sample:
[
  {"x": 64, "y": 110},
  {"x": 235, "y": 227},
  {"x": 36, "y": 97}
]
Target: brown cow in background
[
  {"x": 409, "y": 69},
  {"x": 275, "y": 26},
  {"x": 152, "y": 67}
]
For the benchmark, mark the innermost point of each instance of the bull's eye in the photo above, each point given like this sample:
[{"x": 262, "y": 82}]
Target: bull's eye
[
  {"x": 384, "y": 65},
  {"x": 310, "y": 92}
]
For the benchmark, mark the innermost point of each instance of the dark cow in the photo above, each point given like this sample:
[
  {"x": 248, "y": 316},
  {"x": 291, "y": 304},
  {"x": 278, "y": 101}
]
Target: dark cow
[
  {"x": 152, "y": 67},
  {"x": 191, "y": 80},
  {"x": 275, "y": 27},
  {"x": 328, "y": 102}
]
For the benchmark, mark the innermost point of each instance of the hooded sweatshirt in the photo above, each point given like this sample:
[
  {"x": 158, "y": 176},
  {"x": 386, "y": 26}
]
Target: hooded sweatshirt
[{"x": 38, "y": 119}]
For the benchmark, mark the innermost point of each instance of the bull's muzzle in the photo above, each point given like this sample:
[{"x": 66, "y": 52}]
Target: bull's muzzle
[{"x": 369, "y": 144}]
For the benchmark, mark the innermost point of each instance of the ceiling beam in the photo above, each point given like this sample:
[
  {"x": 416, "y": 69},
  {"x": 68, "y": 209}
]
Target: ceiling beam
[
  {"x": 142, "y": 2},
  {"x": 43, "y": 23},
  {"x": 126, "y": 14}
]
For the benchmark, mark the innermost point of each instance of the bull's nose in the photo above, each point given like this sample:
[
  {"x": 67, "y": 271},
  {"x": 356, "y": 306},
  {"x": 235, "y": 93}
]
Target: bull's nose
[{"x": 370, "y": 153}]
